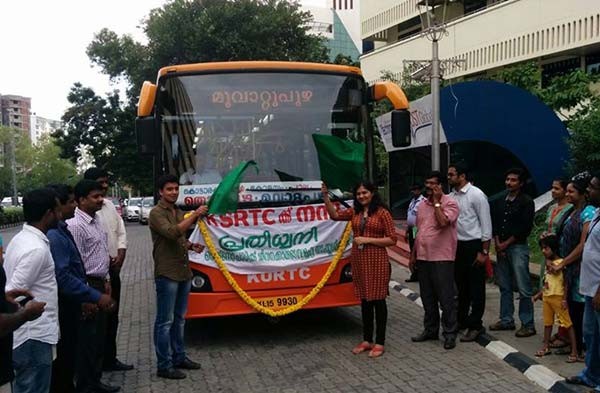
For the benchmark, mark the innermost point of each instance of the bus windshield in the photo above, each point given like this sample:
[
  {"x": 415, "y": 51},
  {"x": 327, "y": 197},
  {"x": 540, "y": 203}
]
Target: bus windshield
[{"x": 212, "y": 122}]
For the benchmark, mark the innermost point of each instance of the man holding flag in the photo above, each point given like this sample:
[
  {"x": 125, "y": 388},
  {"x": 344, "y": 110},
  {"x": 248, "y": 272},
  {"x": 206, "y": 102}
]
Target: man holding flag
[{"x": 173, "y": 276}]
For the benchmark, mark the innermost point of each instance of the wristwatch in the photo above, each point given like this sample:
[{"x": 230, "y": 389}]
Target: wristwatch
[{"x": 437, "y": 205}]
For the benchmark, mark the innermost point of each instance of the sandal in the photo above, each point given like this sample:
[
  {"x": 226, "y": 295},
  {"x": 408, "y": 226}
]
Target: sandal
[
  {"x": 558, "y": 342},
  {"x": 377, "y": 351},
  {"x": 562, "y": 351},
  {"x": 543, "y": 352},
  {"x": 572, "y": 359},
  {"x": 363, "y": 346}
]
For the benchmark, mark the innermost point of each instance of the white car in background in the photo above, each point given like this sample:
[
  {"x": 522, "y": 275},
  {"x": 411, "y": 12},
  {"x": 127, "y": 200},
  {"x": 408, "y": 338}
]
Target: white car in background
[
  {"x": 147, "y": 205},
  {"x": 132, "y": 209}
]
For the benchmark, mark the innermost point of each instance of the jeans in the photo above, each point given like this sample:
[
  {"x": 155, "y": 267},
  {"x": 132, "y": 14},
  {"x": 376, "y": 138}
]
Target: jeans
[
  {"x": 171, "y": 305},
  {"x": 591, "y": 337},
  {"x": 470, "y": 283},
  {"x": 514, "y": 265},
  {"x": 32, "y": 361}
]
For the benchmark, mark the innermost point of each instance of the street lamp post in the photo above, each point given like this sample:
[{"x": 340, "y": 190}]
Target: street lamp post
[{"x": 433, "y": 18}]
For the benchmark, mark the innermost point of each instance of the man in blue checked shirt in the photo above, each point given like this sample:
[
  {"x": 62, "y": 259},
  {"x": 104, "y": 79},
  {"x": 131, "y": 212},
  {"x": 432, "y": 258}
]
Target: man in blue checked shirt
[{"x": 76, "y": 299}]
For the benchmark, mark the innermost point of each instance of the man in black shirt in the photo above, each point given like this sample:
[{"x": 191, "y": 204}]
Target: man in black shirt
[
  {"x": 512, "y": 221},
  {"x": 11, "y": 318}
]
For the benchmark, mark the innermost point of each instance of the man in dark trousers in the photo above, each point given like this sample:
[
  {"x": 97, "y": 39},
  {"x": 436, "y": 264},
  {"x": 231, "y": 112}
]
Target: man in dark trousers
[
  {"x": 474, "y": 228},
  {"x": 117, "y": 248},
  {"x": 76, "y": 299},
  {"x": 512, "y": 221},
  {"x": 92, "y": 243},
  {"x": 434, "y": 254},
  {"x": 172, "y": 277}
]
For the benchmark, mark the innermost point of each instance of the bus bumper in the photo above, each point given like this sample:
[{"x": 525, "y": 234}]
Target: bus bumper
[{"x": 202, "y": 305}]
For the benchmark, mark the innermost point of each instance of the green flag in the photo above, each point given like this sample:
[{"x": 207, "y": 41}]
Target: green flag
[
  {"x": 342, "y": 162},
  {"x": 225, "y": 198}
]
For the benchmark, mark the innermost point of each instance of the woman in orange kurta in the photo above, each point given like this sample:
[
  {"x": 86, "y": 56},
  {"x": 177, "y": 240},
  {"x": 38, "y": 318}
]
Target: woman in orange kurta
[{"x": 373, "y": 230}]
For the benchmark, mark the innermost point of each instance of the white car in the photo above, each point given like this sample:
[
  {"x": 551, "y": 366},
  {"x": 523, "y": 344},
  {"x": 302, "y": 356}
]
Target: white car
[
  {"x": 147, "y": 205},
  {"x": 132, "y": 209}
]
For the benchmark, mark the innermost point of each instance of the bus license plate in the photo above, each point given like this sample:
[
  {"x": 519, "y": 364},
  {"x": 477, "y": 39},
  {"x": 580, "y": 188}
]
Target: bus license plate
[{"x": 277, "y": 302}]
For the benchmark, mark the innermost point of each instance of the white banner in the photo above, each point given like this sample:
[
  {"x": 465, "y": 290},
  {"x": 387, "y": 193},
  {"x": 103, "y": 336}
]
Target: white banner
[
  {"x": 291, "y": 191},
  {"x": 254, "y": 241},
  {"x": 421, "y": 118}
]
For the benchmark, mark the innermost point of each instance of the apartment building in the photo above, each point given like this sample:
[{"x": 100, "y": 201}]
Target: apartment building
[
  {"x": 41, "y": 126},
  {"x": 14, "y": 111},
  {"x": 560, "y": 35}
]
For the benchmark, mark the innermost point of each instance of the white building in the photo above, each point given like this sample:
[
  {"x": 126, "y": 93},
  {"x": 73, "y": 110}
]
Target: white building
[
  {"x": 40, "y": 126},
  {"x": 339, "y": 22},
  {"x": 560, "y": 35}
]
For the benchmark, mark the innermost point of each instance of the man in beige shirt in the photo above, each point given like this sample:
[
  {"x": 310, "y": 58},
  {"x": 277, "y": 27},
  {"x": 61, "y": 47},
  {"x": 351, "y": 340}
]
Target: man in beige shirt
[{"x": 172, "y": 276}]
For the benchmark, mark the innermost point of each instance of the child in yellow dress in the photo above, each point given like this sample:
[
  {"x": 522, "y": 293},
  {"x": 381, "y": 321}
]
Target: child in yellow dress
[{"x": 554, "y": 295}]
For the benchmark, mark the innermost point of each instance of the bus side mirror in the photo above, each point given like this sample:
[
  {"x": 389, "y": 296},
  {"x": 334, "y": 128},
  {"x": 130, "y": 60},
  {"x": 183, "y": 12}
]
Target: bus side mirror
[
  {"x": 146, "y": 135},
  {"x": 401, "y": 131}
]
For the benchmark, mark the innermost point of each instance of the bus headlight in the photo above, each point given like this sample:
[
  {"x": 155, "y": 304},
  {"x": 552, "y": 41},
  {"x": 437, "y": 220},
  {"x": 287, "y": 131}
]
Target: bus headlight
[
  {"x": 346, "y": 274},
  {"x": 201, "y": 283}
]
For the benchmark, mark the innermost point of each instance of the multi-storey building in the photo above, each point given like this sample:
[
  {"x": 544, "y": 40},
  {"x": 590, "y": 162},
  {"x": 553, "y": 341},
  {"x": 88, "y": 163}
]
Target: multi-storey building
[
  {"x": 340, "y": 25},
  {"x": 41, "y": 126},
  {"x": 560, "y": 35},
  {"x": 15, "y": 111}
]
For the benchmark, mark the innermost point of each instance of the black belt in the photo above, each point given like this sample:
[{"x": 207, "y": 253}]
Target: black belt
[{"x": 96, "y": 282}]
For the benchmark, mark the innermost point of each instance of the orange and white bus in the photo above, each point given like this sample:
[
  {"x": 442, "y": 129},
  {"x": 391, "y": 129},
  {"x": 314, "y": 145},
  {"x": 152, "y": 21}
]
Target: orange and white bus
[{"x": 198, "y": 121}]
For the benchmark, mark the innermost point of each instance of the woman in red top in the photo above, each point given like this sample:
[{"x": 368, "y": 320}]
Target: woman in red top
[{"x": 373, "y": 230}]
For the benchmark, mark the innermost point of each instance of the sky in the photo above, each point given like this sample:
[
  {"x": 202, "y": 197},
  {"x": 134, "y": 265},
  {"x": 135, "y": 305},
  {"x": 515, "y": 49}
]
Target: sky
[{"x": 43, "y": 44}]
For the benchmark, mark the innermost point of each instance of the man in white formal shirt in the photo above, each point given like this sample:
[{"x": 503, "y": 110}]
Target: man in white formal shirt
[
  {"x": 117, "y": 248},
  {"x": 474, "y": 228},
  {"x": 29, "y": 266}
]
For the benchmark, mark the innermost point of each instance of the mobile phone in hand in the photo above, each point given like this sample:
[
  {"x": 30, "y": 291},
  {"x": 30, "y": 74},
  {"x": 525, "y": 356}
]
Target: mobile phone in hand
[{"x": 23, "y": 300}]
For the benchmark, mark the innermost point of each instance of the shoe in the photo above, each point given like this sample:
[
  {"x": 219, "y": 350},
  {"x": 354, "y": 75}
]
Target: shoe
[
  {"x": 424, "y": 337},
  {"x": 577, "y": 380},
  {"x": 449, "y": 343},
  {"x": 471, "y": 335},
  {"x": 501, "y": 326},
  {"x": 187, "y": 364},
  {"x": 525, "y": 332},
  {"x": 170, "y": 373},
  {"x": 105, "y": 388},
  {"x": 117, "y": 365}
]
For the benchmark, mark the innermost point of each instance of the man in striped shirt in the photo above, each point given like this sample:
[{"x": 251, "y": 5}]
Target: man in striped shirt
[{"x": 92, "y": 242}]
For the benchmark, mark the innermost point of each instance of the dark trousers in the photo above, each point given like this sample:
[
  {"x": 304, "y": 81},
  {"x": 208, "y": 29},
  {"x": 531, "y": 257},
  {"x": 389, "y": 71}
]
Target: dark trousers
[
  {"x": 411, "y": 244},
  {"x": 470, "y": 283},
  {"x": 63, "y": 367},
  {"x": 91, "y": 337},
  {"x": 112, "y": 319},
  {"x": 438, "y": 290},
  {"x": 377, "y": 310},
  {"x": 576, "y": 310}
]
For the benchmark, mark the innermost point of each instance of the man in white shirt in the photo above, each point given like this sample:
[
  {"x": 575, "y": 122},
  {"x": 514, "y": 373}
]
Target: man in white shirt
[
  {"x": 416, "y": 191},
  {"x": 474, "y": 229},
  {"x": 29, "y": 266},
  {"x": 117, "y": 248}
]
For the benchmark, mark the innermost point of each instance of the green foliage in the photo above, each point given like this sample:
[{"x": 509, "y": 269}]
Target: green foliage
[
  {"x": 193, "y": 31},
  {"x": 45, "y": 166},
  {"x": 584, "y": 142},
  {"x": 11, "y": 215}
]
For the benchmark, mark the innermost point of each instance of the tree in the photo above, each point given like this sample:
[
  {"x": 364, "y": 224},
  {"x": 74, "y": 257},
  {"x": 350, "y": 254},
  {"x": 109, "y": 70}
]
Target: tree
[
  {"x": 11, "y": 138},
  {"x": 192, "y": 31},
  {"x": 44, "y": 166}
]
